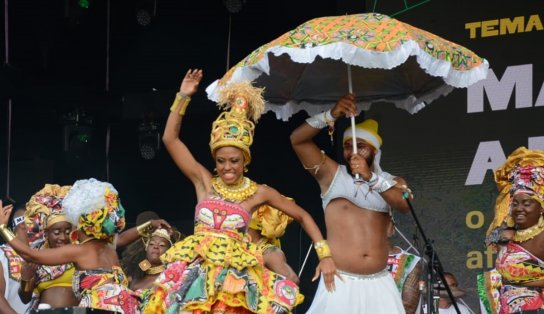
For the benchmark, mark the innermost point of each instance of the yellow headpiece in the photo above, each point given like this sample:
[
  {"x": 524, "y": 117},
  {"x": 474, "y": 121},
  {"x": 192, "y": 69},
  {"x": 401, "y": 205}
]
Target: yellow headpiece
[
  {"x": 270, "y": 222},
  {"x": 366, "y": 130},
  {"x": 523, "y": 171},
  {"x": 94, "y": 207},
  {"x": 44, "y": 209},
  {"x": 236, "y": 126},
  {"x": 162, "y": 233},
  {"x": 54, "y": 218}
]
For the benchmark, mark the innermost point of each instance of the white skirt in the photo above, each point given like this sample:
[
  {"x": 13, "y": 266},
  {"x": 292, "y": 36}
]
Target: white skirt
[{"x": 361, "y": 294}]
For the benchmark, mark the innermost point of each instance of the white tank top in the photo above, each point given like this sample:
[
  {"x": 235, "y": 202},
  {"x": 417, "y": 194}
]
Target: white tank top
[{"x": 342, "y": 186}]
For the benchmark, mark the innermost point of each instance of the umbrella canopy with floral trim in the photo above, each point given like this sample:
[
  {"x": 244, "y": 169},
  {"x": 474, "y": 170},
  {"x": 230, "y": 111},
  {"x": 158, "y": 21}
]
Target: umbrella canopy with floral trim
[{"x": 390, "y": 61}]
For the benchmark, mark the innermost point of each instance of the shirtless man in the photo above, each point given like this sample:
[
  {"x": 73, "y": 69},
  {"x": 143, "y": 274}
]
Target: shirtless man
[{"x": 357, "y": 216}]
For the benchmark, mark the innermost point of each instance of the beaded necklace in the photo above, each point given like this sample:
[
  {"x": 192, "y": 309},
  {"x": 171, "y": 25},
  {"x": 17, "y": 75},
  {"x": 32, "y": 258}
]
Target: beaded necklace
[
  {"x": 529, "y": 233},
  {"x": 155, "y": 270},
  {"x": 234, "y": 193}
]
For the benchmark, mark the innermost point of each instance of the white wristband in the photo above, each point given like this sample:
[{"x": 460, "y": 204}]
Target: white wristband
[
  {"x": 328, "y": 117},
  {"x": 380, "y": 184},
  {"x": 317, "y": 121}
]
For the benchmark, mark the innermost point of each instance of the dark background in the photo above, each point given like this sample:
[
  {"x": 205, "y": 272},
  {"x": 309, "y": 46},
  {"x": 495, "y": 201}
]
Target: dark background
[{"x": 64, "y": 58}]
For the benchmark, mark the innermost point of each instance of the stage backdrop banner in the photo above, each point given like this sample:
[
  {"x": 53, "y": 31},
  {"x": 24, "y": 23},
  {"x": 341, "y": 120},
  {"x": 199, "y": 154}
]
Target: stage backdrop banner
[{"x": 449, "y": 150}]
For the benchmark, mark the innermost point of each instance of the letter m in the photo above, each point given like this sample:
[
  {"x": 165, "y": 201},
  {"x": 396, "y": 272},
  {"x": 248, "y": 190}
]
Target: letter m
[{"x": 499, "y": 92}]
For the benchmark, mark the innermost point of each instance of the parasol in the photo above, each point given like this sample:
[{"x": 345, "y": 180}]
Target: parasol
[{"x": 388, "y": 60}]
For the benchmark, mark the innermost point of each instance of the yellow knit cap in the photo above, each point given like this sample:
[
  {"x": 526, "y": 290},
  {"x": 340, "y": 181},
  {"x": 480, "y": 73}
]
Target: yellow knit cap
[
  {"x": 236, "y": 126},
  {"x": 366, "y": 130}
]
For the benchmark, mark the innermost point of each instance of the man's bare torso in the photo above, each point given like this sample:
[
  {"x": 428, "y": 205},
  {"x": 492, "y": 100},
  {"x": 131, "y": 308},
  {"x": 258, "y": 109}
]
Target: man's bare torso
[{"x": 357, "y": 237}]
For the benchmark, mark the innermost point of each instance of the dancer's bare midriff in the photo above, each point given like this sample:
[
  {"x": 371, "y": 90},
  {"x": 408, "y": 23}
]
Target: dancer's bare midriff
[{"x": 357, "y": 237}]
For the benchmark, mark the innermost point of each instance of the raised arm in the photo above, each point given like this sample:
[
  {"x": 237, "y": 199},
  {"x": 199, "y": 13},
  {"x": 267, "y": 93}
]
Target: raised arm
[
  {"x": 179, "y": 152},
  {"x": 57, "y": 256},
  {"x": 131, "y": 235},
  {"x": 321, "y": 167},
  {"x": 51, "y": 257}
]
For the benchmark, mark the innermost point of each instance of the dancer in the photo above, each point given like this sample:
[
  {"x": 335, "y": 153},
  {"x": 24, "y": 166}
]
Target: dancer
[
  {"x": 10, "y": 273},
  {"x": 49, "y": 228},
  {"x": 520, "y": 204},
  {"x": 99, "y": 282},
  {"x": 357, "y": 216},
  {"x": 215, "y": 269}
]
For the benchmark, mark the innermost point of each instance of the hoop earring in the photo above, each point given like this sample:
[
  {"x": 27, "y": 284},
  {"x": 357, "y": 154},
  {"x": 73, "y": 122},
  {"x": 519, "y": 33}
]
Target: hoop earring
[
  {"x": 245, "y": 170},
  {"x": 215, "y": 170}
]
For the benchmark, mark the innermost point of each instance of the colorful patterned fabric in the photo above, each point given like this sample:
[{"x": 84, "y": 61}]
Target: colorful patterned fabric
[
  {"x": 400, "y": 265},
  {"x": 523, "y": 170},
  {"x": 372, "y": 32},
  {"x": 270, "y": 222},
  {"x": 489, "y": 286},
  {"x": 143, "y": 295},
  {"x": 94, "y": 207},
  {"x": 14, "y": 262},
  {"x": 10, "y": 263},
  {"x": 48, "y": 276},
  {"x": 518, "y": 266},
  {"x": 243, "y": 104},
  {"x": 105, "y": 289},
  {"x": 323, "y": 47},
  {"x": 217, "y": 269},
  {"x": 46, "y": 202}
]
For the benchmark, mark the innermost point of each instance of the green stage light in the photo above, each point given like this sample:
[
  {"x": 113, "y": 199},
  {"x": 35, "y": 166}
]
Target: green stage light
[{"x": 83, "y": 3}]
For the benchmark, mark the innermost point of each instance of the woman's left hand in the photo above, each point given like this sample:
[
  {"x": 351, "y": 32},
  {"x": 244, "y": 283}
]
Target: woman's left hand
[
  {"x": 327, "y": 268},
  {"x": 4, "y": 213}
]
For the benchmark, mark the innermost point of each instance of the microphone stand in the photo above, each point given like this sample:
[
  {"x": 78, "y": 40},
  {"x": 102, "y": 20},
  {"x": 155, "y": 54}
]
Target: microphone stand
[{"x": 434, "y": 266}]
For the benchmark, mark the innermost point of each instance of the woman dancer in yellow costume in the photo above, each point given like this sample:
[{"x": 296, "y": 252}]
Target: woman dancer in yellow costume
[
  {"x": 49, "y": 228},
  {"x": 216, "y": 270},
  {"x": 99, "y": 282}
]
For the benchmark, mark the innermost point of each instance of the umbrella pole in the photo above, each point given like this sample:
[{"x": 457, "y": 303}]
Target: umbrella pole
[{"x": 358, "y": 179}]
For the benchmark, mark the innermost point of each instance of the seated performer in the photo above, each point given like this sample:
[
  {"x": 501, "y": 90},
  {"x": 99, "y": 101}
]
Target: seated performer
[{"x": 151, "y": 266}]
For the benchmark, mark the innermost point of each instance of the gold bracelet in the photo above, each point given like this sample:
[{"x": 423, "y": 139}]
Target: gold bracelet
[
  {"x": 322, "y": 249},
  {"x": 144, "y": 229},
  {"x": 181, "y": 101},
  {"x": 6, "y": 233},
  {"x": 27, "y": 285}
]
